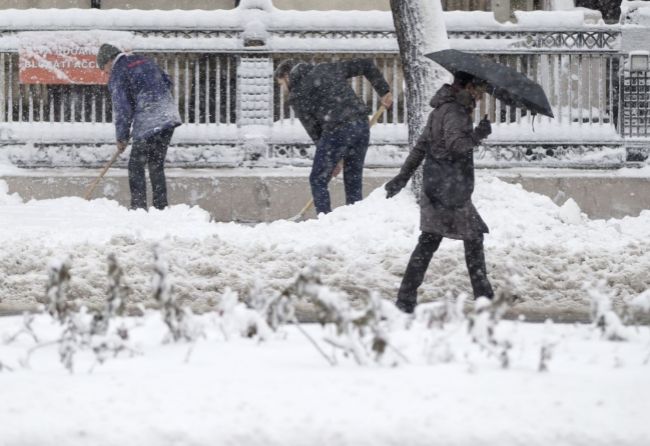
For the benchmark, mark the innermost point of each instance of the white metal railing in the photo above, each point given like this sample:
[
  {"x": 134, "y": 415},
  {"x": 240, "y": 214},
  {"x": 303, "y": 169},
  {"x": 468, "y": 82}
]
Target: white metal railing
[
  {"x": 224, "y": 87},
  {"x": 580, "y": 87},
  {"x": 204, "y": 88}
]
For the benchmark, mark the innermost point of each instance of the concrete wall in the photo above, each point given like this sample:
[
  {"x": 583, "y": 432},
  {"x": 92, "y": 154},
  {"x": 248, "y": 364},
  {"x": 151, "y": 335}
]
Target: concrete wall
[{"x": 253, "y": 195}]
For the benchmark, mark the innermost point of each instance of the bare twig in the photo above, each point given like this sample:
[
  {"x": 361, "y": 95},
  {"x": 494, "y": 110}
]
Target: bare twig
[{"x": 329, "y": 360}]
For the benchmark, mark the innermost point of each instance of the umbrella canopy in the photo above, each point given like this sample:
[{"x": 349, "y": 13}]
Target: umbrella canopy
[{"x": 504, "y": 83}]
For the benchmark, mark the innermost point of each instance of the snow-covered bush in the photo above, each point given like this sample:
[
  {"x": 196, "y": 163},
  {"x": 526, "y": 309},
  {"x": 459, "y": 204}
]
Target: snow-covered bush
[
  {"x": 602, "y": 314},
  {"x": 276, "y": 308},
  {"x": 361, "y": 333},
  {"x": 482, "y": 326},
  {"x": 367, "y": 329},
  {"x": 236, "y": 317},
  {"x": 82, "y": 329},
  {"x": 115, "y": 299},
  {"x": 179, "y": 319},
  {"x": 56, "y": 294}
]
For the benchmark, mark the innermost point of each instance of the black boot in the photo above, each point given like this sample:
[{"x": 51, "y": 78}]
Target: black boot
[
  {"x": 475, "y": 260},
  {"x": 407, "y": 296}
]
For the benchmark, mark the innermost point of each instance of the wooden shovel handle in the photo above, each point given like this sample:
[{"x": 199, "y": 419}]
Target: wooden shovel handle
[
  {"x": 380, "y": 111},
  {"x": 92, "y": 187}
]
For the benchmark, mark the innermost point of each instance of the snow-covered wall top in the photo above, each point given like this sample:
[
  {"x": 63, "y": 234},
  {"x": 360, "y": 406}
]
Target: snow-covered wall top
[{"x": 271, "y": 18}]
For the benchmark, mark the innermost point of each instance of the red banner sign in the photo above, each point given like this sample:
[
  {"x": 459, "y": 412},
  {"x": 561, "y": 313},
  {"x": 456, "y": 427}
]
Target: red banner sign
[
  {"x": 66, "y": 66},
  {"x": 64, "y": 57}
]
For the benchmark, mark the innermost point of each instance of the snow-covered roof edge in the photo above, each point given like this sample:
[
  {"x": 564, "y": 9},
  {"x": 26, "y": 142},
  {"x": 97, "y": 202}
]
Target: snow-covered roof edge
[{"x": 273, "y": 19}]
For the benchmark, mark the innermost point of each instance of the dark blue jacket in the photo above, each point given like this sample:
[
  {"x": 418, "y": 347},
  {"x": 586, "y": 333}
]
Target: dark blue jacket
[{"x": 142, "y": 98}]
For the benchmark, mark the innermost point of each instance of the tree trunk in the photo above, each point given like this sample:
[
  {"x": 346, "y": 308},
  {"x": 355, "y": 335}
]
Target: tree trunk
[{"x": 420, "y": 29}]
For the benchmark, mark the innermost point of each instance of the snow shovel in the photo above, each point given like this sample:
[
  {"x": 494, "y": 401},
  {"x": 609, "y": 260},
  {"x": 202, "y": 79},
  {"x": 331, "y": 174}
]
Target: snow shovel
[
  {"x": 338, "y": 168},
  {"x": 92, "y": 187}
]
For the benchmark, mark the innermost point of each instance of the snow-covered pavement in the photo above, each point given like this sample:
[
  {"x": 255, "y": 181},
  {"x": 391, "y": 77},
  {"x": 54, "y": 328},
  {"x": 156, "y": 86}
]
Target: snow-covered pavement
[
  {"x": 544, "y": 253},
  {"x": 281, "y": 392}
]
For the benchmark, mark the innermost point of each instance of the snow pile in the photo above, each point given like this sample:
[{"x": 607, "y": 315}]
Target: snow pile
[
  {"x": 357, "y": 248},
  {"x": 6, "y": 198},
  {"x": 570, "y": 213}
]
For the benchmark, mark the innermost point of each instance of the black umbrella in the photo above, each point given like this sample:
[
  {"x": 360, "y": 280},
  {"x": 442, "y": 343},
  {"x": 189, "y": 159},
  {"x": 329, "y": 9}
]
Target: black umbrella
[{"x": 504, "y": 83}]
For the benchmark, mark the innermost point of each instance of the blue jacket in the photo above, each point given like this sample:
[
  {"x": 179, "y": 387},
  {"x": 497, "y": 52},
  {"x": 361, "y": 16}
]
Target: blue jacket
[{"x": 142, "y": 98}]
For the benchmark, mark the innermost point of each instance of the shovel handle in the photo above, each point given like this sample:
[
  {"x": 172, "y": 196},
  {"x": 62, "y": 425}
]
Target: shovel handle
[
  {"x": 380, "y": 111},
  {"x": 304, "y": 210},
  {"x": 92, "y": 187}
]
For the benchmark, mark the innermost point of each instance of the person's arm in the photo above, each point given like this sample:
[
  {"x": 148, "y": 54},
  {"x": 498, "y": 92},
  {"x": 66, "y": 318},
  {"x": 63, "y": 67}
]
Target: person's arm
[
  {"x": 460, "y": 138},
  {"x": 415, "y": 157},
  {"x": 368, "y": 69},
  {"x": 311, "y": 125},
  {"x": 168, "y": 80},
  {"x": 122, "y": 108},
  {"x": 412, "y": 162}
]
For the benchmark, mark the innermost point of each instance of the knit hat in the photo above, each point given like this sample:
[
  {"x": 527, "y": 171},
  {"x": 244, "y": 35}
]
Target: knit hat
[{"x": 105, "y": 54}]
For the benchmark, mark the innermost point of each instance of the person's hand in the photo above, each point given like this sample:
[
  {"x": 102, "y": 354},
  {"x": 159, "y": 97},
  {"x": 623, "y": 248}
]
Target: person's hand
[
  {"x": 387, "y": 100},
  {"x": 395, "y": 185},
  {"x": 483, "y": 129},
  {"x": 121, "y": 146}
]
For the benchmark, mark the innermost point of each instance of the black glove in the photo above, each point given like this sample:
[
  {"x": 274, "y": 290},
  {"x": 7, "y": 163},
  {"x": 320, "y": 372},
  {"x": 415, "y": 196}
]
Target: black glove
[
  {"x": 395, "y": 185},
  {"x": 483, "y": 129}
]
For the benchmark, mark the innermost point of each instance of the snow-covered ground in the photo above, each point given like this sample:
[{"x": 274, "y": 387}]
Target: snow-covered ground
[
  {"x": 282, "y": 392},
  {"x": 544, "y": 253},
  {"x": 433, "y": 386}
]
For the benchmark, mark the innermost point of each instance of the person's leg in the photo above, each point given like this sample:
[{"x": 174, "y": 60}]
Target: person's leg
[
  {"x": 355, "y": 156},
  {"x": 137, "y": 182},
  {"x": 428, "y": 243},
  {"x": 328, "y": 153},
  {"x": 156, "y": 161},
  {"x": 475, "y": 259}
]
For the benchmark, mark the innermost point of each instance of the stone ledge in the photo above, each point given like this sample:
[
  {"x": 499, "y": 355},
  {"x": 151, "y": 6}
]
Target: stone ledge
[{"x": 267, "y": 194}]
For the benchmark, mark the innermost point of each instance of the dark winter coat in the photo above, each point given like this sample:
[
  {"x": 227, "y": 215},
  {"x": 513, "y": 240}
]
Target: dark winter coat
[
  {"x": 447, "y": 146},
  {"x": 142, "y": 98},
  {"x": 322, "y": 97}
]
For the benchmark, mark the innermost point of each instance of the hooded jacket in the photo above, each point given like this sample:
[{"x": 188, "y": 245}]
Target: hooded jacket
[
  {"x": 143, "y": 104},
  {"x": 322, "y": 97},
  {"x": 447, "y": 147}
]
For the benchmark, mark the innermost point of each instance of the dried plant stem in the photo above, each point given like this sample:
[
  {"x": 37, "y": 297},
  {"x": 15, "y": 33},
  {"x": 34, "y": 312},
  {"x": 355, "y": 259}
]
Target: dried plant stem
[{"x": 329, "y": 360}]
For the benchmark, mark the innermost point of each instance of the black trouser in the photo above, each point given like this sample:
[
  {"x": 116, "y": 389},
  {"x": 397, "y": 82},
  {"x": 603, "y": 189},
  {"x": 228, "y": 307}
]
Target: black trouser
[
  {"x": 151, "y": 152},
  {"x": 428, "y": 243}
]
